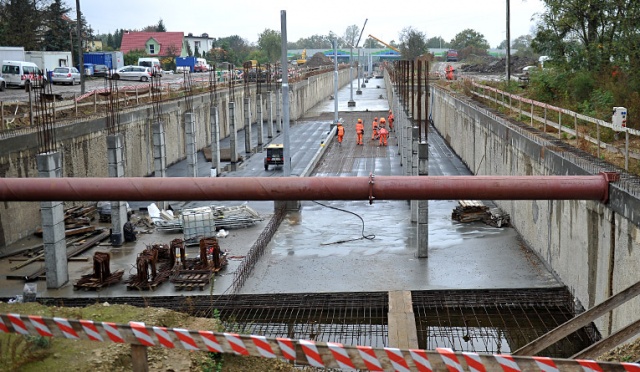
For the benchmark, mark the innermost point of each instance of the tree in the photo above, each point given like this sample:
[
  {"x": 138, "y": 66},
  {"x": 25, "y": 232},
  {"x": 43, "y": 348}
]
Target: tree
[
  {"x": 522, "y": 45},
  {"x": 270, "y": 43},
  {"x": 196, "y": 52},
  {"x": 22, "y": 24},
  {"x": 436, "y": 42},
  {"x": 351, "y": 35},
  {"x": 110, "y": 41},
  {"x": 160, "y": 27},
  {"x": 469, "y": 38},
  {"x": 58, "y": 29},
  {"x": 413, "y": 43},
  {"x": 237, "y": 49},
  {"x": 584, "y": 33}
]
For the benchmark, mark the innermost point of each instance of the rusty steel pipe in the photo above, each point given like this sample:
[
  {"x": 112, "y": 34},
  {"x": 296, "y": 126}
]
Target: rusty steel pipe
[{"x": 593, "y": 187}]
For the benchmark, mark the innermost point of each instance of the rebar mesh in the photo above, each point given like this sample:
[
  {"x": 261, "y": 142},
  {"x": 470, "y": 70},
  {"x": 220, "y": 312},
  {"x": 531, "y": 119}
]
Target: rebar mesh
[
  {"x": 257, "y": 250},
  {"x": 42, "y": 100},
  {"x": 188, "y": 91},
  {"x": 156, "y": 97},
  {"x": 112, "y": 108},
  {"x": 496, "y": 321}
]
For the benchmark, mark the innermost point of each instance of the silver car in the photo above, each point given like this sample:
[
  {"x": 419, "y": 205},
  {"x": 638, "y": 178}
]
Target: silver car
[
  {"x": 65, "y": 75},
  {"x": 141, "y": 73}
]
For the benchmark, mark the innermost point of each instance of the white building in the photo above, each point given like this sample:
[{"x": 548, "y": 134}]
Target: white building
[{"x": 203, "y": 42}]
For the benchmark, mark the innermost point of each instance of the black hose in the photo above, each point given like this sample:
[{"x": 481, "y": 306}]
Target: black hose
[{"x": 363, "y": 236}]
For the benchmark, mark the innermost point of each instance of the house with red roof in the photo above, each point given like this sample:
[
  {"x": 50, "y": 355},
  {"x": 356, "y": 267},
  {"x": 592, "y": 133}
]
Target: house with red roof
[{"x": 160, "y": 44}]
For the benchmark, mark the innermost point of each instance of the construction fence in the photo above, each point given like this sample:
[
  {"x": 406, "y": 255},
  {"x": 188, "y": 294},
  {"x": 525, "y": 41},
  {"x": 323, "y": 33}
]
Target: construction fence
[{"x": 302, "y": 352}]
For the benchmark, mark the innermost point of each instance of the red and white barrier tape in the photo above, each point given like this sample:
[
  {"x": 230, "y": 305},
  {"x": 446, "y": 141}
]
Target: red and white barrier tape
[{"x": 317, "y": 354}]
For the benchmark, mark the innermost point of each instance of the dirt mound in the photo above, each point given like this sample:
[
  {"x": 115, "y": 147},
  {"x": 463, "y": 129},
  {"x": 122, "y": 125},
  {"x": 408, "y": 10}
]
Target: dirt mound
[
  {"x": 493, "y": 65},
  {"x": 318, "y": 60}
]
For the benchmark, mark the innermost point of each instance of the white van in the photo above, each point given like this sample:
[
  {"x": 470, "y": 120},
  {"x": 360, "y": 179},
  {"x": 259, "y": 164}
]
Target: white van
[
  {"x": 153, "y": 63},
  {"x": 21, "y": 73}
]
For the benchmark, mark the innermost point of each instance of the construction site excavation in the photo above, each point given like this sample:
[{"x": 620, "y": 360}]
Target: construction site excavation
[{"x": 276, "y": 220}]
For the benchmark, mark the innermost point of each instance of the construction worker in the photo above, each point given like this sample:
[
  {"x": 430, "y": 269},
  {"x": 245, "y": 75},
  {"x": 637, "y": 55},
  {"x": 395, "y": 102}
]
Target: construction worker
[
  {"x": 340, "y": 133},
  {"x": 450, "y": 72},
  {"x": 390, "y": 118},
  {"x": 359, "y": 132},
  {"x": 374, "y": 125},
  {"x": 383, "y": 132}
]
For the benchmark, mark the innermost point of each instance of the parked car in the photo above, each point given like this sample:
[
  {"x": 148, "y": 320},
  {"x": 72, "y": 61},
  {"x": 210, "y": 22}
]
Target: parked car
[
  {"x": 21, "y": 73},
  {"x": 141, "y": 73},
  {"x": 65, "y": 75},
  {"x": 3, "y": 84},
  {"x": 100, "y": 70}
]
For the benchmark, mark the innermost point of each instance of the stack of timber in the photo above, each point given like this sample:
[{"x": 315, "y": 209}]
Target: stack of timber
[
  {"x": 475, "y": 210},
  {"x": 77, "y": 220},
  {"x": 197, "y": 273},
  {"x": 469, "y": 211},
  {"x": 101, "y": 276},
  {"x": 74, "y": 248}
]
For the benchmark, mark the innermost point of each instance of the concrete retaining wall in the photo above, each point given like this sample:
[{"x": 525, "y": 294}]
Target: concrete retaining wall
[
  {"x": 84, "y": 149},
  {"x": 593, "y": 248}
]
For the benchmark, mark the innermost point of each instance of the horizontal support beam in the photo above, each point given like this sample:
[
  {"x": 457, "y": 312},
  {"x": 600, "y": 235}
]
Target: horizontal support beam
[{"x": 593, "y": 187}]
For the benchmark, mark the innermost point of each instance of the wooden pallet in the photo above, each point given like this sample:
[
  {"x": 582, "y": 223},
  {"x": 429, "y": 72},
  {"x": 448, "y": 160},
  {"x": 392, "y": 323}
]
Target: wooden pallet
[
  {"x": 89, "y": 283},
  {"x": 190, "y": 279},
  {"x": 469, "y": 211}
]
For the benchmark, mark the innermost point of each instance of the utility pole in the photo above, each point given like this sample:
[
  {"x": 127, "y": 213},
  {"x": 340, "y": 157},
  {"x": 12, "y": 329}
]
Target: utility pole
[
  {"x": 80, "y": 51},
  {"x": 508, "y": 67}
]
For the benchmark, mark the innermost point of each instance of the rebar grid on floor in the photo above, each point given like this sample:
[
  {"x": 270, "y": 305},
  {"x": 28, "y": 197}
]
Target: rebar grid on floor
[
  {"x": 496, "y": 321},
  {"x": 351, "y": 319},
  {"x": 482, "y": 321}
]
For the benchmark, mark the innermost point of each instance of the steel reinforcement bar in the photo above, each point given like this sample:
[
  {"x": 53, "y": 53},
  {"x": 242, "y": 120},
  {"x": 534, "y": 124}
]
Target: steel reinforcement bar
[{"x": 304, "y": 352}]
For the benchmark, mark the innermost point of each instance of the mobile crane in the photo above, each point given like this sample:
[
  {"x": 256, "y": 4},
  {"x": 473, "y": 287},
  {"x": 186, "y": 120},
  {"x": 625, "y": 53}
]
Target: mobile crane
[{"x": 385, "y": 44}]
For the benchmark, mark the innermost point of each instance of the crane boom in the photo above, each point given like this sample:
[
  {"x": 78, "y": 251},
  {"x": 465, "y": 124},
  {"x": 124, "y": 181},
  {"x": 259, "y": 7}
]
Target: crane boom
[{"x": 385, "y": 44}]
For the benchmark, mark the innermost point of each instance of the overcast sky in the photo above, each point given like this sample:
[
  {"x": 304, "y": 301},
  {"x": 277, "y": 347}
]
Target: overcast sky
[{"x": 306, "y": 18}]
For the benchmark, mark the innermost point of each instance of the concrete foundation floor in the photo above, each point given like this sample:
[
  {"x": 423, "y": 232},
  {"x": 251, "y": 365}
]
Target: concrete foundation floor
[{"x": 321, "y": 249}]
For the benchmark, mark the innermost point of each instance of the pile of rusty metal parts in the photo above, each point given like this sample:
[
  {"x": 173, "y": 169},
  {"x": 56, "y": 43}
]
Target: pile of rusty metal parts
[
  {"x": 101, "y": 276},
  {"x": 475, "y": 210},
  {"x": 153, "y": 267},
  {"x": 159, "y": 263},
  {"x": 198, "y": 272}
]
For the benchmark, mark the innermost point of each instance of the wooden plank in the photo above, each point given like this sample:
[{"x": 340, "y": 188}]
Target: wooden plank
[
  {"x": 401, "y": 321},
  {"x": 609, "y": 343},
  {"x": 578, "y": 322}
]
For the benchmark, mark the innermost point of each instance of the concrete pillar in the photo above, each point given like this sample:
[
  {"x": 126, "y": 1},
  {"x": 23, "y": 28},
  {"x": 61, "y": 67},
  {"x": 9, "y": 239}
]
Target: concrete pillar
[
  {"x": 159, "y": 155},
  {"x": 115, "y": 156},
  {"x": 190, "y": 144},
  {"x": 423, "y": 205},
  {"x": 215, "y": 141},
  {"x": 414, "y": 167},
  {"x": 278, "y": 111},
  {"x": 233, "y": 135},
  {"x": 247, "y": 125},
  {"x": 270, "y": 114},
  {"x": 260, "y": 121},
  {"x": 159, "y": 150},
  {"x": 53, "y": 232}
]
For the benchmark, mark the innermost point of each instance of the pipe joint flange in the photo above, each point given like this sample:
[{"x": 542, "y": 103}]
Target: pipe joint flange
[{"x": 371, "y": 182}]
